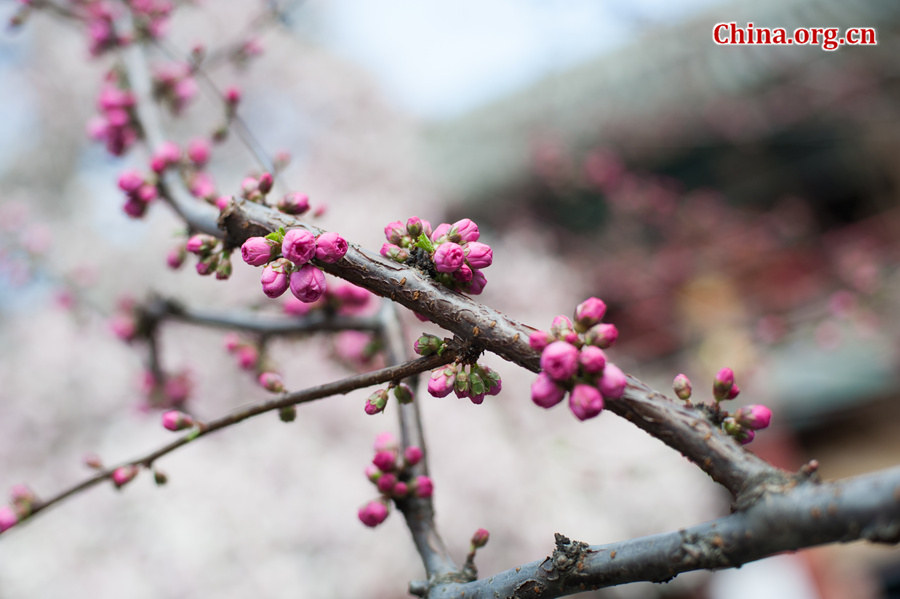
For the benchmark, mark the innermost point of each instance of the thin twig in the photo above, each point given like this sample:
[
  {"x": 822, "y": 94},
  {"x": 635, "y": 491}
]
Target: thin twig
[{"x": 343, "y": 386}]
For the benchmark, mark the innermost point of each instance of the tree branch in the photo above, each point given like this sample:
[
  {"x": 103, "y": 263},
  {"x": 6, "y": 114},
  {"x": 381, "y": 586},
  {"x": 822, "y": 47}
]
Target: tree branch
[
  {"x": 253, "y": 322},
  {"x": 343, "y": 386},
  {"x": 418, "y": 511},
  {"x": 865, "y": 507}
]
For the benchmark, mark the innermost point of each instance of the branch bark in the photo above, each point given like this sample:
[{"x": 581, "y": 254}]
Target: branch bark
[{"x": 865, "y": 507}]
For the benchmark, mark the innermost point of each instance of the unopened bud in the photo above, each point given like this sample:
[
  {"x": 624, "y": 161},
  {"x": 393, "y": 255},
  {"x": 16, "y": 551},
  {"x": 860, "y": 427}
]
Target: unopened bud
[
  {"x": 723, "y": 383},
  {"x": 403, "y": 393},
  {"x": 271, "y": 381},
  {"x": 123, "y": 475},
  {"x": 428, "y": 344},
  {"x": 682, "y": 387},
  {"x": 175, "y": 420},
  {"x": 287, "y": 413},
  {"x": 480, "y": 538}
]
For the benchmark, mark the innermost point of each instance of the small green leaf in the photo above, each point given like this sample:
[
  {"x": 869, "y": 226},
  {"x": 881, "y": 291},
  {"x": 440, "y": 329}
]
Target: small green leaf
[{"x": 425, "y": 243}]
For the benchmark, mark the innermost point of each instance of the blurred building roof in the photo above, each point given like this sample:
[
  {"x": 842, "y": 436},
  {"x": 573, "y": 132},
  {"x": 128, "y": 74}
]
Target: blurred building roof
[{"x": 668, "y": 81}]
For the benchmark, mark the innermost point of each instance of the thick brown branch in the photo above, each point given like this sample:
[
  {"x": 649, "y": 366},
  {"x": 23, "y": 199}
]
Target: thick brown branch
[
  {"x": 866, "y": 507},
  {"x": 682, "y": 428}
]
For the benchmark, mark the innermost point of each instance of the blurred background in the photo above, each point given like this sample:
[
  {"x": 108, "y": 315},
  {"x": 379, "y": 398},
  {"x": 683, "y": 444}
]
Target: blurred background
[{"x": 734, "y": 205}]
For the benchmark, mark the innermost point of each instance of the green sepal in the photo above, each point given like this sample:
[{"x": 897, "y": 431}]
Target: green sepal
[{"x": 276, "y": 236}]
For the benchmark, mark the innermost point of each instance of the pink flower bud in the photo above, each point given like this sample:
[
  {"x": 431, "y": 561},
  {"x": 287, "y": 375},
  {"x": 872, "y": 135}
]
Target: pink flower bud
[
  {"x": 330, "y": 247},
  {"x": 561, "y": 326},
  {"x": 592, "y": 359},
  {"x": 477, "y": 284},
  {"x": 545, "y": 392},
  {"x": 466, "y": 230},
  {"x": 602, "y": 335},
  {"x": 400, "y": 490},
  {"x": 123, "y": 475},
  {"x": 589, "y": 312},
  {"x": 385, "y": 442},
  {"x": 372, "y": 473},
  {"x": 723, "y": 383},
  {"x": 257, "y": 251},
  {"x": 416, "y": 226},
  {"x": 394, "y": 252},
  {"x": 376, "y": 402},
  {"x": 448, "y": 257},
  {"x": 423, "y": 486},
  {"x": 413, "y": 455},
  {"x": 274, "y": 281},
  {"x": 439, "y": 235},
  {"x": 174, "y": 420},
  {"x": 265, "y": 183},
  {"x": 271, "y": 381},
  {"x": 394, "y": 232},
  {"x": 682, "y": 387},
  {"x": 442, "y": 381},
  {"x": 134, "y": 207},
  {"x": 373, "y": 513},
  {"x": 8, "y": 518},
  {"x": 308, "y": 283},
  {"x": 464, "y": 274},
  {"x": 123, "y": 327},
  {"x": 233, "y": 95},
  {"x": 734, "y": 391},
  {"x": 480, "y": 538},
  {"x": 294, "y": 203},
  {"x": 613, "y": 382},
  {"x": 386, "y": 483},
  {"x": 92, "y": 460},
  {"x": 754, "y": 416},
  {"x": 198, "y": 151},
  {"x": 479, "y": 255},
  {"x": 176, "y": 257},
  {"x": 585, "y": 401},
  {"x": 248, "y": 356},
  {"x": 538, "y": 340},
  {"x": 560, "y": 360},
  {"x": 200, "y": 244},
  {"x": 299, "y": 246},
  {"x": 385, "y": 460},
  {"x": 130, "y": 181},
  {"x": 231, "y": 341}
]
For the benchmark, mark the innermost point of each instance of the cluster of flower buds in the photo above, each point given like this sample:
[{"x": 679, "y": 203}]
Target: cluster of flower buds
[
  {"x": 466, "y": 380},
  {"x": 165, "y": 391},
  {"x": 451, "y": 254},
  {"x": 211, "y": 258},
  {"x": 391, "y": 472},
  {"x": 166, "y": 155},
  {"x": 174, "y": 85},
  {"x": 293, "y": 269},
  {"x": 573, "y": 361},
  {"x": 139, "y": 192},
  {"x": 377, "y": 401},
  {"x": 151, "y": 16},
  {"x": 22, "y": 502},
  {"x": 255, "y": 189},
  {"x": 743, "y": 424},
  {"x": 115, "y": 125},
  {"x": 247, "y": 353}
]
